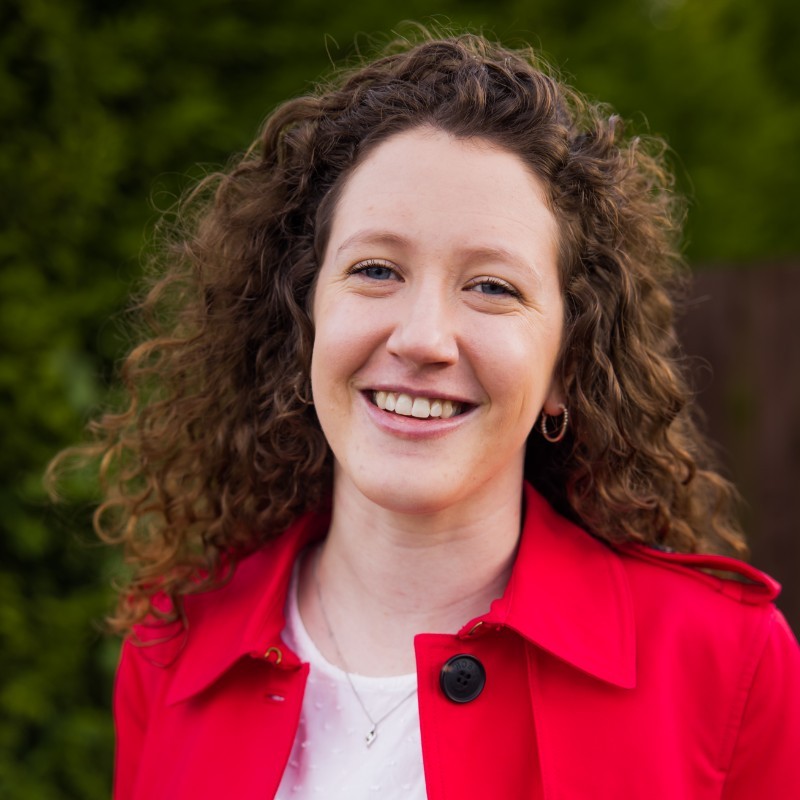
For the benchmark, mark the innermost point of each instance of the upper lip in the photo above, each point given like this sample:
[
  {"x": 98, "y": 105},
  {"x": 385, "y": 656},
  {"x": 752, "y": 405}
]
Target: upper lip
[{"x": 430, "y": 393}]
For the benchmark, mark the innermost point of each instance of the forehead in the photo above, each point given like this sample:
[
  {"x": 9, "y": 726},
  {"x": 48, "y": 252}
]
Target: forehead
[{"x": 427, "y": 182}]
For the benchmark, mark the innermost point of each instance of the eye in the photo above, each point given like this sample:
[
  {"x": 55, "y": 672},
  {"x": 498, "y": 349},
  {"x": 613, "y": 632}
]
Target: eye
[
  {"x": 493, "y": 287},
  {"x": 374, "y": 270}
]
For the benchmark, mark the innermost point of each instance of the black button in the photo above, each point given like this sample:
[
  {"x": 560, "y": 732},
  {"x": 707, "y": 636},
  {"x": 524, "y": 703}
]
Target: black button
[{"x": 462, "y": 678}]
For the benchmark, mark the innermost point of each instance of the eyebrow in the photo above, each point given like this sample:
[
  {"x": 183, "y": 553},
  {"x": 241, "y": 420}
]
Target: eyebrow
[{"x": 374, "y": 237}]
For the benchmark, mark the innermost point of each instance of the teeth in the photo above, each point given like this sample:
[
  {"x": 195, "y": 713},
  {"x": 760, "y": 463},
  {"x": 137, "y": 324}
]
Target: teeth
[
  {"x": 404, "y": 405},
  {"x": 419, "y": 407}
]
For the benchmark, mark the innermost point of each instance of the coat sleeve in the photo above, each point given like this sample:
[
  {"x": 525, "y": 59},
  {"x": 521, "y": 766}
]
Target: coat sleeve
[
  {"x": 130, "y": 720},
  {"x": 766, "y": 755}
]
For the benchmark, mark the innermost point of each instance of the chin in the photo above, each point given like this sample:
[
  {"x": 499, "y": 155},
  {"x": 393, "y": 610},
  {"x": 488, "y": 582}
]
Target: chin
[{"x": 419, "y": 495}]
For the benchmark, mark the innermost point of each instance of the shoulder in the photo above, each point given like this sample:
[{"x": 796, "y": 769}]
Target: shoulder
[
  {"x": 711, "y": 610},
  {"x": 688, "y": 571},
  {"x": 699, "y": 595},
  {"x": 714, "y": 621}
]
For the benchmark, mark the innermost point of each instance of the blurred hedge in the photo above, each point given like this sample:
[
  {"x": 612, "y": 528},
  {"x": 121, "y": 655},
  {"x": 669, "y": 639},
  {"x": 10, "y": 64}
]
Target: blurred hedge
[{"x": 105, "y": 108}]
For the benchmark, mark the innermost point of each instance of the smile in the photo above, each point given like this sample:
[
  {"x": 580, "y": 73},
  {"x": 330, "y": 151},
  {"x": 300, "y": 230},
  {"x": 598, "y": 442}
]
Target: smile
[{"x": 419, "y": 407}]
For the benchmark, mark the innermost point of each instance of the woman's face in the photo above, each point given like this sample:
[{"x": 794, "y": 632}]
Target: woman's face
[{"x": 438, "y": 318}]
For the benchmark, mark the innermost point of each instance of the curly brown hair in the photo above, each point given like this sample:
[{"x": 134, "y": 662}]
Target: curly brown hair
[{"x": 218, "y": 449}]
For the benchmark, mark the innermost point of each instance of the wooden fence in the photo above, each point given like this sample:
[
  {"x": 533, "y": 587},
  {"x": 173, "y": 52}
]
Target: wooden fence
[{"x": 742, "y": 333}]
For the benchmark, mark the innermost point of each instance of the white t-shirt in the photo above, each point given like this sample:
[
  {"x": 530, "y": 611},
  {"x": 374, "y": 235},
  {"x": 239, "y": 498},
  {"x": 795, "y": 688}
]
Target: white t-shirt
[{"x": 330, "y": 757}]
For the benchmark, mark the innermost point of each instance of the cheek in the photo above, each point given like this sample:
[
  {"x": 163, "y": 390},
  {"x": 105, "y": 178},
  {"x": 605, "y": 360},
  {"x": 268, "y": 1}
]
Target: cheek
[
  {"x": 341, "y": 345},
  {"x": 516, "y": 370},
  {"x": 323, "y": 355}
]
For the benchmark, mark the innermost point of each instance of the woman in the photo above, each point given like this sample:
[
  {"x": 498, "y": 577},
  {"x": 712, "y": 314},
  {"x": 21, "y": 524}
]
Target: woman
[{"x": 408, "y": 482}]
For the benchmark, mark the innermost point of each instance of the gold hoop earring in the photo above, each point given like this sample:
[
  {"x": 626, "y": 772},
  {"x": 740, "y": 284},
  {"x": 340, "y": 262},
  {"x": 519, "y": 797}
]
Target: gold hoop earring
[{"x": 562, "y": 429}]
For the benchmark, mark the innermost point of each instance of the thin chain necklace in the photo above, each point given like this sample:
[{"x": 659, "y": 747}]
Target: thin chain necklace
[{"x": 373, "y": 731}]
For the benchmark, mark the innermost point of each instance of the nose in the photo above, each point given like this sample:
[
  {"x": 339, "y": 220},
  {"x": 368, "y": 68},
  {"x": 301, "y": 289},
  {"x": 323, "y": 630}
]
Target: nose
[{"x": 424, "y": 331}]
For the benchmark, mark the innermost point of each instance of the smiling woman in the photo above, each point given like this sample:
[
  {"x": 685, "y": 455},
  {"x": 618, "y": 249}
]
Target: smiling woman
[{"x": 408, "y": 482}]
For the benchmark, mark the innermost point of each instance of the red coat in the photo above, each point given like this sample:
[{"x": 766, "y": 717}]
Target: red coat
[{"x": 618, "y": 674}]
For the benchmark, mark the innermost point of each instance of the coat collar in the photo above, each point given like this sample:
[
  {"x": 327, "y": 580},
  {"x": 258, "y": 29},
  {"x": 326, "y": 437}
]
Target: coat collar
[
  {"x": 245, "y": 617},
  {"x": 568, "y": 594}
]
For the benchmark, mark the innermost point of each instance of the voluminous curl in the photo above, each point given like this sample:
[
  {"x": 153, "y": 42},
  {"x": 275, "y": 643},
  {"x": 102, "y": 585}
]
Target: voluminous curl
[{"x": 219, "y": 450}]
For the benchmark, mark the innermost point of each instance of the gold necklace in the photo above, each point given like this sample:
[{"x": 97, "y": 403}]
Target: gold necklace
[{"x": 373, "y": 731}]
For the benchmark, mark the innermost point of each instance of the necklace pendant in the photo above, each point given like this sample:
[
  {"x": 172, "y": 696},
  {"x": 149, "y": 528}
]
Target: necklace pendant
[{"x": 371, "y": 736}]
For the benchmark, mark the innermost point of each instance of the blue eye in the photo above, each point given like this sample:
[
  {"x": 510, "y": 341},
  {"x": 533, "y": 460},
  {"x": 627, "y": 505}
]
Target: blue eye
[
  {"x": 377, "y": 273},
  {"x": 374, "y": 270},
  {"x": 494, "y": 288}
]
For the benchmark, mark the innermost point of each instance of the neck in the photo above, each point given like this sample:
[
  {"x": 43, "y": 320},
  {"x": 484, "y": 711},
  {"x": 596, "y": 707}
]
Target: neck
[{"x": 386, "y": 576}]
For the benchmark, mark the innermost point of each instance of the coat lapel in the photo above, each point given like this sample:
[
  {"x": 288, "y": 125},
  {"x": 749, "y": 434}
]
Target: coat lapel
[
  {"x": 569, "y": 595},
  {"x": 245, "y": 616}
]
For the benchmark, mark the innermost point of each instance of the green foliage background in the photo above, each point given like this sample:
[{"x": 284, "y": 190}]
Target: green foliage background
[{"x": 105, "y": 110}]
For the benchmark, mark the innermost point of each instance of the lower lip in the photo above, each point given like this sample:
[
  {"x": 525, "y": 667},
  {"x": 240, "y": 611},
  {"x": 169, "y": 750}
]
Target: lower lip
[{"x": 412, "y": 427}]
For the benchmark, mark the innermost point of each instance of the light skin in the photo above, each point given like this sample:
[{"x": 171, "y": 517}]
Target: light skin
[{"x": 439, "y": 283}]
